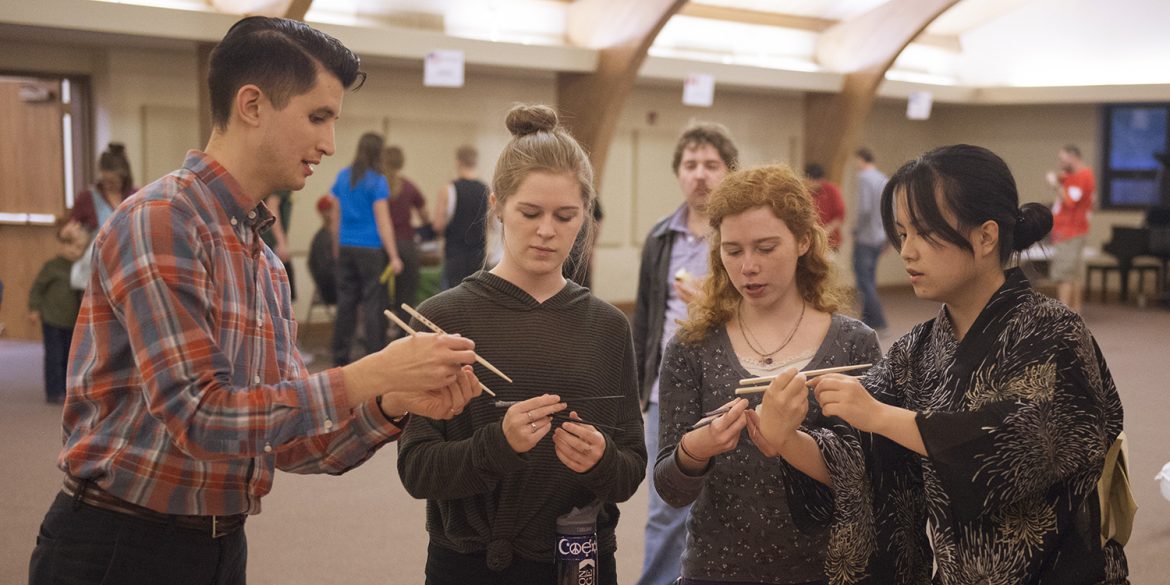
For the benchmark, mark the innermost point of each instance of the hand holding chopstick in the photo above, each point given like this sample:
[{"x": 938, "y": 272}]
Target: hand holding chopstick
[
  {"x": 407, "y": 328},
  {"x": 478, "y": 358}
]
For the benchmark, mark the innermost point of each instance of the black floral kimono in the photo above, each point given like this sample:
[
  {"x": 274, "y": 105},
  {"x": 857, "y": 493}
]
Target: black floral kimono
[{"x": 1016, "y": 419}]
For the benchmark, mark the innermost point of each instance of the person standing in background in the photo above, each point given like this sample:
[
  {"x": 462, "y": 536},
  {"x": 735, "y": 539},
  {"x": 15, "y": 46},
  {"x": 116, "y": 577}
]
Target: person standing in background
[
  {"x": 322, "y": 262},
  {"x": 869, "y": 238},
  {"x": 830, "y": 204},
  {"x": 93, "y": 206},
  {"x": 54, "y": 304},
  {"x": 365, "y": 244},
  {"x": 460, "y": 215},
  {"x": 674, "y": 260},
  {"x": 280, "y": 203},
  {"x": 1074, "y": 186},
  {"x": 405, "y": 200}
]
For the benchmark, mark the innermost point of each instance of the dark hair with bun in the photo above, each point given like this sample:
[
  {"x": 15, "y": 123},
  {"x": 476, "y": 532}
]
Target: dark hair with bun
[
  {"x": 540, "y": 144},
  {"x": 113, "y": 159},
  {"x": 976, "y": 186}
]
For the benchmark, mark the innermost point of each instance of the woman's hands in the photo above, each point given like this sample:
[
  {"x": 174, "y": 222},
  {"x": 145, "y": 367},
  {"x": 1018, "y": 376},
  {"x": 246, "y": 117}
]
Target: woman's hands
[
  {"x": 844, "y": 397},
  {"x": 526, "y": 423},
  {"x": 775, "y": 422},
  {"x": 722, "y": 435},
  {"x": 578, "y": 446}
]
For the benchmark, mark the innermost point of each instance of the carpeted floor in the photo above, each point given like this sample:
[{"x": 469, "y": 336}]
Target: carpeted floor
[{"x": 363, "y": 528}]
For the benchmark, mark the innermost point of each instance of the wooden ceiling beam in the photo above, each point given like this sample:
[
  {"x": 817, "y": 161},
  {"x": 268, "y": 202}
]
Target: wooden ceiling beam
[
  {"x": 863, "y": 48},
  {"x": 591, "y": 103}
]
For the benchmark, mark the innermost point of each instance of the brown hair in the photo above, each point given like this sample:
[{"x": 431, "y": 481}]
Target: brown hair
[
  {"x": 779, "y": 189},
  {"x": 700, "y": 133},
  {"x": 114, "y": 160},
  {"x": 467, "y": 156},
  {"x": 392, "y": 162},
  {"x": 540, "y": 144}
]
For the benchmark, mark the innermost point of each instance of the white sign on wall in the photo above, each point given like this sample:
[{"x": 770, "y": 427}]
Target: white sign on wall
[
  {"x": 918, "y": 107},
  {"x": 699, "y": 90},
  {"x": 443, "y": 68}
]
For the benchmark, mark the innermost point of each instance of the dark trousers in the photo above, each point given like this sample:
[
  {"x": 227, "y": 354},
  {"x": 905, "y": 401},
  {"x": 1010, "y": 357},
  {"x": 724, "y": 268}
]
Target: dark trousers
[
  {"x": 57, "y": 342},
  {"x": 459, "y": 264},
  {"x": 79, "y": 544},
  {"x": 358, "y": 270},
  {"x": 447, "y": 567},
  {"x": 406, "y": 283}
]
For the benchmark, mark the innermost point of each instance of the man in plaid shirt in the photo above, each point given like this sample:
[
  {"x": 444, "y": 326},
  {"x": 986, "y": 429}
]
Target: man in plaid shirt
[{"x": 185, "y": 389}]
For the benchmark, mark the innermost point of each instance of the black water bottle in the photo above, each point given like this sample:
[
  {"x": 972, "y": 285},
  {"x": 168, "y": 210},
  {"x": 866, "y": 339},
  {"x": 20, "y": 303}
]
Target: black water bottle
[{"x": 576, "y": 546}]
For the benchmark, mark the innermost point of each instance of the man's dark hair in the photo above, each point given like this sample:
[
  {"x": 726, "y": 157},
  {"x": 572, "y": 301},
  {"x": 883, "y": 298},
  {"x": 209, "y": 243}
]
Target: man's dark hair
[
  {"x": 865, "y": 154},
  {"x": 1072, "y": 149},
  {"x": 278, "y": 55},
  {"x": 702, "y": 133},
  {"x": 814, "y": 171}
]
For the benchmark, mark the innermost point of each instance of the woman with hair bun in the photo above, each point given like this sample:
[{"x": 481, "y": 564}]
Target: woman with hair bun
[
  {"x": 497, "y": 479},
  {"x": 984, "y": 432},
  {"x": 115, "y": 183}
]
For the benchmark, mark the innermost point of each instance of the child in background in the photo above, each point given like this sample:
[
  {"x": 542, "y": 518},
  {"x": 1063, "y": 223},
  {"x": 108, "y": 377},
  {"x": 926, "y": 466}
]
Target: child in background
[{"x": 54, "y": 303}]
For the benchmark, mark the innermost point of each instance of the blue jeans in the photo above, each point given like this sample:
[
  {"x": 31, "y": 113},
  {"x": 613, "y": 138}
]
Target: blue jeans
[
  {"x": 666, "y": 526},
  {"x": 865, "y": 259},
  {"x": 81, "y": 544}
]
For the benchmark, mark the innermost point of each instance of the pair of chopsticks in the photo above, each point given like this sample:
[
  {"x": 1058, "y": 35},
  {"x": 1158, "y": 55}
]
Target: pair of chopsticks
[
  {"x": 757, "y": 385},
  {"x": 750, "y": 388},
  {"x": 435, "y": 328},
  {"x": 507, "y": 403}
]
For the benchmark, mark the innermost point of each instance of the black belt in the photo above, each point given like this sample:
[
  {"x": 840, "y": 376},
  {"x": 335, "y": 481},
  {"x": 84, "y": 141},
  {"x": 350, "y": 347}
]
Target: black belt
[{"x": 87, "y": 492}]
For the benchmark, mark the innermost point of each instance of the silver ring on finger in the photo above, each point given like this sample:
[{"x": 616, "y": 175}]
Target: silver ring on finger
[
  {"x": 533, "y": 425},
  {"x": 528, "y": 413}
]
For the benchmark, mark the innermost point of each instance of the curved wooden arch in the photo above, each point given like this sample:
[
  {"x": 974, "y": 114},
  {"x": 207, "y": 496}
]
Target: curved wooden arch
[
  {"x": 863, "y": 48},
  {"x": 622, "y": 31}
]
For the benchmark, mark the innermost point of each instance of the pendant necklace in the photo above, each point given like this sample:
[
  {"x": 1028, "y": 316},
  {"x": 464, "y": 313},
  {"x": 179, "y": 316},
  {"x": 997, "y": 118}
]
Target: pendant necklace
[{"x": 747, "y": 335}]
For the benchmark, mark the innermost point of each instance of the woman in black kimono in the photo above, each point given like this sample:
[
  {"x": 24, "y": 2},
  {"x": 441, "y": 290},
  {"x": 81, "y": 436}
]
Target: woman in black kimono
[{"x": 982, "y": 435}]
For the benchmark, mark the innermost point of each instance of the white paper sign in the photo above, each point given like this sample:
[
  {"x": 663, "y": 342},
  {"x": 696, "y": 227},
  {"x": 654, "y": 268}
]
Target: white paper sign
[
  {"x": 918, "y": 107},
  {"x": 443, "y": 68},
  {"x": 699, "y": 90}
]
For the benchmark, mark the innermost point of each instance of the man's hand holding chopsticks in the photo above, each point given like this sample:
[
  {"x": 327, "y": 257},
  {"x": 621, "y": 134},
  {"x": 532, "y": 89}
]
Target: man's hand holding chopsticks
[
  {"x": 439, "y": 403},
  {"x": 412, "y": 365}
]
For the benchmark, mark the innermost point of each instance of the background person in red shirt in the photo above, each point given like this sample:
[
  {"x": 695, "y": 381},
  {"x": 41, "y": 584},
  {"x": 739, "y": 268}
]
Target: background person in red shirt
[
  {"x": 830, "y": 204},
  {"x": 1074, "y": 186}
]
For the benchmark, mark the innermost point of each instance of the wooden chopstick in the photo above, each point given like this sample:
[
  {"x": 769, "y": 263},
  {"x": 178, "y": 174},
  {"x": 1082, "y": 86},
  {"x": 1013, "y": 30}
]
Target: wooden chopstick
[
  {"x": 407, "y": 328},
  {"x": 437, "y": 329},
  {"x": 742, "y": 390},
  {"x": 807, "y": 374},
  {"x": 507, "y": 403}
]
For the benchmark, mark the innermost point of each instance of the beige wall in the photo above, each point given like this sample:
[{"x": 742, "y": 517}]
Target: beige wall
[{"x": 147, "y": 99}]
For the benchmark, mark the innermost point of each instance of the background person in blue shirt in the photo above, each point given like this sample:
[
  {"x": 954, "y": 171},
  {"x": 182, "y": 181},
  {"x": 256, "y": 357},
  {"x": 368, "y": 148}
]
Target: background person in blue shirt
[{"x": 365, "y": 244}]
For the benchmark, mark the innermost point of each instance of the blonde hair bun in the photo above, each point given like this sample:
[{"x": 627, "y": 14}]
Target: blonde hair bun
[{"x": 525, "y": 119}]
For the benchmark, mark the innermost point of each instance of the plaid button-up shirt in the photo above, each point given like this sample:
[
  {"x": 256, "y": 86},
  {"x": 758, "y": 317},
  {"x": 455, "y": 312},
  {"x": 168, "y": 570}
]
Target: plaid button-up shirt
[{"x": 186, "y": 389}]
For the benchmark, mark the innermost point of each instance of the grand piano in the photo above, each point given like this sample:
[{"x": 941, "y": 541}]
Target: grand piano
[{"x": 1128, "y": 243}]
